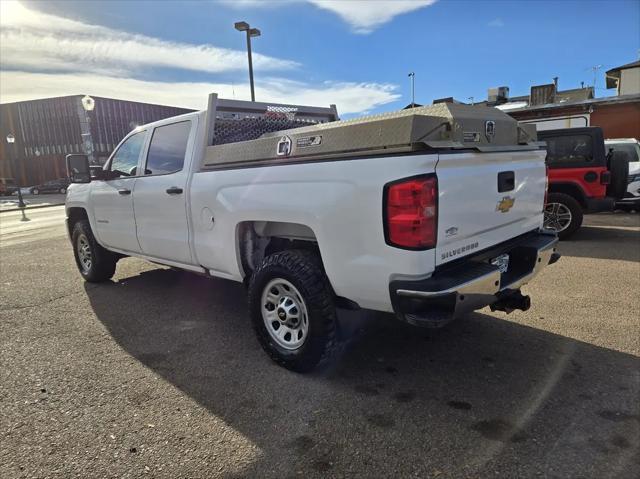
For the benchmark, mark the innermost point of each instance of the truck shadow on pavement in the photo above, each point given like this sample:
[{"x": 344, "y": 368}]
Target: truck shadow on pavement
[
  {"x": 603, "y": 243},
  {"x": 484, "y": 397}
]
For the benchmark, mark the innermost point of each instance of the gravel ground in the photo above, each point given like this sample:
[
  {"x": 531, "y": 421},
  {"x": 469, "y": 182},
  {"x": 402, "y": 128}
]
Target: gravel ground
[{"x": 158, "y": 374}]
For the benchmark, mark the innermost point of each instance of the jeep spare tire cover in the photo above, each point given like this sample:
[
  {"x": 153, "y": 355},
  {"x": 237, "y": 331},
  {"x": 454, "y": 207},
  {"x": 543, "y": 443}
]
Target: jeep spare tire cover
[{"x": 619, "y": 167}]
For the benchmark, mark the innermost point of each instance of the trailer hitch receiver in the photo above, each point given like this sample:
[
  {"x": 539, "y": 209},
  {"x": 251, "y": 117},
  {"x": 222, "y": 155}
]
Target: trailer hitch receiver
[{"x": 510, "y": 301}]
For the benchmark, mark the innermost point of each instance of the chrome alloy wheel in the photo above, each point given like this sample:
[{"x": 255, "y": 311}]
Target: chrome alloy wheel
[
  {"x": 557, "y": 217},
  {"x": 84, "y": 253},
  {"x": 284, "y": 313}
]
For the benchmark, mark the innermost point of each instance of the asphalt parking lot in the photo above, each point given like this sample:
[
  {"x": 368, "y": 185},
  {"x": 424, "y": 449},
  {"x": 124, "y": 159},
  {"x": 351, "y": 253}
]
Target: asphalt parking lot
[{"x": 158, "y": 374}]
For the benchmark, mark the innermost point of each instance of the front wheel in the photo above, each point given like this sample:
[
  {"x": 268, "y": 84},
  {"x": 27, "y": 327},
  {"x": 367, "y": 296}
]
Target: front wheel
[
  {"x": 63, "y": 191},
  {"x": 562, "y": 214},
  {"x": 292, "y": 310},
  {"x": 35, "y": 191},
  {"x": 95, "y": 263}
]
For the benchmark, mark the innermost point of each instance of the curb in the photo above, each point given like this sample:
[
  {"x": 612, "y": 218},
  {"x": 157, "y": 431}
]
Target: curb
[{"x": 34, "y": 207}]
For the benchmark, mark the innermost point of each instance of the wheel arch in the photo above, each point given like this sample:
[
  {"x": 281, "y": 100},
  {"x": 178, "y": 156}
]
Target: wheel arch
[
  {"x": 571, "y": 189},
  {"x": 75, "y": 214},
  {"x": 256, "y": 240}
]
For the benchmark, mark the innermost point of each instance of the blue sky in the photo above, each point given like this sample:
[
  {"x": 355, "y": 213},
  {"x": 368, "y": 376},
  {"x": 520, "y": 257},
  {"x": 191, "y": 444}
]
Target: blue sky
[{"x": 353, "y": 53}]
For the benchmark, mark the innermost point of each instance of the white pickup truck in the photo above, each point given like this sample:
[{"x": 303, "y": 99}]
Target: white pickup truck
[{"x": 428, "y": 213}]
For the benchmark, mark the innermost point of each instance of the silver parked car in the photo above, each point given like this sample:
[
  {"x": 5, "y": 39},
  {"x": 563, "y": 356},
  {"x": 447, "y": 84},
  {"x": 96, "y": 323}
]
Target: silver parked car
[{"x": 631, "y": 147}]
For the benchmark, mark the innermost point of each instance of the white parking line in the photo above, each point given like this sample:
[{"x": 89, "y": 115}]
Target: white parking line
[{"x": 17, "y": 227}]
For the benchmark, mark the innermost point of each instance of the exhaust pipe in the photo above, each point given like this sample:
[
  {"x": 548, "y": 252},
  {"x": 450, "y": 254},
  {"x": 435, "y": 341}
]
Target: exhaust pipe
[{"x": 512, "y": 301}]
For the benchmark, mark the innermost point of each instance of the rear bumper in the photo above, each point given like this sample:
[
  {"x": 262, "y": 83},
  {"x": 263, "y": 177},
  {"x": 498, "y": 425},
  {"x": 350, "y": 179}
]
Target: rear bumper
[
  {"x": 472, "y": 283},
  {"x": 597, "y": 205},
  {"x": 629, "y": 199}
]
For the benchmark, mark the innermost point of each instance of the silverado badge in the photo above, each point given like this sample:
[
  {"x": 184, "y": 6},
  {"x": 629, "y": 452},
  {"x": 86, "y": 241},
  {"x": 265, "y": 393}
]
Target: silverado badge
[{"x": 505, "y": 204}]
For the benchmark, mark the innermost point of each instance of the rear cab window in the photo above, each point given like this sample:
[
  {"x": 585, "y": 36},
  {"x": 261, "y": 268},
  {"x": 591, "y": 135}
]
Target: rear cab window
[
  {"x": 574, "y": 147},
  {"x": 570, "y": 150},
  {"x": 168, "y": 148}
]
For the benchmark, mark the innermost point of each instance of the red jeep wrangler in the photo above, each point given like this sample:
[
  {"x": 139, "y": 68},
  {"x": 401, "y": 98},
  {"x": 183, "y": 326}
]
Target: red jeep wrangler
[{"x": 583, "y": 178}]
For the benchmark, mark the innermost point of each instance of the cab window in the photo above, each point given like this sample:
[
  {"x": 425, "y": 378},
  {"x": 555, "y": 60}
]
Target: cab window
[
  {"x": 168, "y": 148},
  {"x": 125, "y": 159}
]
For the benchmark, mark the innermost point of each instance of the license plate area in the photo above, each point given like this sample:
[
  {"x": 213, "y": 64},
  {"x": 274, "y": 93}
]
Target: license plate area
[{"x": 502, "y": 262}]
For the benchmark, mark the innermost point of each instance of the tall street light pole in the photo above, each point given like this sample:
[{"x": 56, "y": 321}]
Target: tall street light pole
[
  {"x": 12, "y": 140},
  {"x": 88, "y": 105},
  {"x": 251, "y": 32}
]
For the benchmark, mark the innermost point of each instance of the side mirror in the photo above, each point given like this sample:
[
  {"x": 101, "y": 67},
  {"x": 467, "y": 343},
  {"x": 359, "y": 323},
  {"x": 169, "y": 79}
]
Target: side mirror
[
  {"x": 96, "y": 171},
  {"x": 78, "y": 168}
]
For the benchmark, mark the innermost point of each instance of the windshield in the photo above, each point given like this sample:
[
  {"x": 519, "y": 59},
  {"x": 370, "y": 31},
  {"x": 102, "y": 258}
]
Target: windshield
[{"x": 631, "y": 149}]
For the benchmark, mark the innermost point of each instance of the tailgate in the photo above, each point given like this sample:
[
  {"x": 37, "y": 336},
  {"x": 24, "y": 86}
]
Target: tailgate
[{"x": 487, "y": 198}]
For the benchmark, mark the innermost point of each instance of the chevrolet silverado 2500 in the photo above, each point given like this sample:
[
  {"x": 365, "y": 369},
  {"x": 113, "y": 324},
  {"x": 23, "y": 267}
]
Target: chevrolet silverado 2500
[{"x": 428, "y": 213}]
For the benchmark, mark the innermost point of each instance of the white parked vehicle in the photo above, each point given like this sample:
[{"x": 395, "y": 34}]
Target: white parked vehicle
[
  {"x": 631, "y": 147},
  {"x": 428, "y": 213}
]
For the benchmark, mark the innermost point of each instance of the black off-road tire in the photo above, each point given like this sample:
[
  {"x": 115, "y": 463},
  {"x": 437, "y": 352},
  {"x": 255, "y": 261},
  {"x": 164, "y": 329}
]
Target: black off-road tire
[
  {"x": 103, "y": 262},
  {"x": 576, "y": 212},
  {"x": 303, "y": 270}
]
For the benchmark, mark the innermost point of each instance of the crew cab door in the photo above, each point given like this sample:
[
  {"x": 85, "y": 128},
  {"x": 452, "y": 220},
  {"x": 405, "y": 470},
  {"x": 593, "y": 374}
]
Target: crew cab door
[
  {"x": 160, "y": 201},
  {"x": 112, "y": 200}
]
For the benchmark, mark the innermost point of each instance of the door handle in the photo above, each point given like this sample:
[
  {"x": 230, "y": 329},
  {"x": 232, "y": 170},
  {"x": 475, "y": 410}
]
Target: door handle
[
  {"x": 124, "y": 191},
  {"x": 506, "y": 181},
  {"x": 174, "y": 190}
]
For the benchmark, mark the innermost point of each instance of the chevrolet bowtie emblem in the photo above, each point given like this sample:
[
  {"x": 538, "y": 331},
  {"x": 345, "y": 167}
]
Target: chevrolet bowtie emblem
[{"x": 505, "y": 204}]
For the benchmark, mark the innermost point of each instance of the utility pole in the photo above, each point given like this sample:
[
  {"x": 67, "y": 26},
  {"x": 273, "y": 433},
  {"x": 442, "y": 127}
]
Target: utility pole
[
  {"x": 595, "y": 69},
  {"x": 251, "y": 32},
  {"x": 412, "y": 75}
]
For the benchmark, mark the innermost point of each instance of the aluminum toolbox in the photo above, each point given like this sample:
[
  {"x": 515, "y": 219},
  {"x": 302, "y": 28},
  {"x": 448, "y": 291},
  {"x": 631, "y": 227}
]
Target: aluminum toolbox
[{"x": 440, "y": 126}]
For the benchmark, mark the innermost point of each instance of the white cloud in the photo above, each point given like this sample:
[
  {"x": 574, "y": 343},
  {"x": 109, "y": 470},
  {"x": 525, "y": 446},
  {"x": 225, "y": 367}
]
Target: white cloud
[
  {"x": 45, "y": 56},
  {"x": 30, "y": 39},
  {"x": 365, "y": 16},
  {"x": 496, "y": 22},
  {"x": 348, "y": 96}
]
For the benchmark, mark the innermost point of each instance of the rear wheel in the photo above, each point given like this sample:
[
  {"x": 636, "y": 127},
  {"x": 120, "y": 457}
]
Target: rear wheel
[
  {"x": 63, "y": 190},
  {"x": 292, "y": 310},
  {"x": 562, "y": 214},
  {"x": 35, "y": 191},
  {"x": 95, "y": 263}
]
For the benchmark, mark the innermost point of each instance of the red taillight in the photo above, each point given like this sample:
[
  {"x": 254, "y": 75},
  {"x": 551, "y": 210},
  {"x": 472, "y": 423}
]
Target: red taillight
[
  {"x": 412, "y": 213},
  {"x": 605, "y": 177}
]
